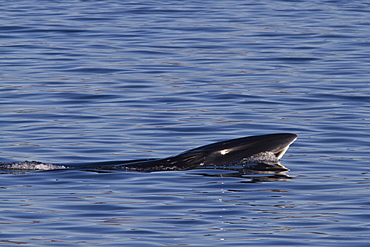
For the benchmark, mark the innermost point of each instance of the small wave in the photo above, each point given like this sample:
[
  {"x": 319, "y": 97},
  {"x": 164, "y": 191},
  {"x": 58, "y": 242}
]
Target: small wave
[{"x": 30, "y": 165}]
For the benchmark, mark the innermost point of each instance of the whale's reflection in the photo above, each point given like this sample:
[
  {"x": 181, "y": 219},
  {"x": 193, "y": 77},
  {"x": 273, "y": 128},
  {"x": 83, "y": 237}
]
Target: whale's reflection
[{"x": 252, "y": 173}]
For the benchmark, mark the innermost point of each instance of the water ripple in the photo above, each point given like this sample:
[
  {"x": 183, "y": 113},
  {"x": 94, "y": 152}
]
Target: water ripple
[{"x": 90, "y": 81}]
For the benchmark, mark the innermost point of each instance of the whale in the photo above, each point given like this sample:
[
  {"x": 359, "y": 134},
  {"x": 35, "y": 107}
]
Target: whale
[{"x": 260, "y": 150}]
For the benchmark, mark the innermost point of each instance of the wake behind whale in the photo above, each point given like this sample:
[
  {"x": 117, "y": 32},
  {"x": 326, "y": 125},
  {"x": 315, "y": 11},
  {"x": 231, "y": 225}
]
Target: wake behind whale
[{"x": 257, "y": 152}]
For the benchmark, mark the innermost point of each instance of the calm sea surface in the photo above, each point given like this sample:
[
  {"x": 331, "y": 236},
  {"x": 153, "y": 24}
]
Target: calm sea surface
[{"x": 91, "y": 81}]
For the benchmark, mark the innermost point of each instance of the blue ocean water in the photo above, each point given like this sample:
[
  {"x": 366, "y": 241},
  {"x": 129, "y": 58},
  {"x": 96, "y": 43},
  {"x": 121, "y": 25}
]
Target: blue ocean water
[{"x": 91, "y": 81}]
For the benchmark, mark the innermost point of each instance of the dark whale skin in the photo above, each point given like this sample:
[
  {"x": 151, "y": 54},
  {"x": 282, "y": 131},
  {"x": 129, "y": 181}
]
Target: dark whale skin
[{"x": 262, "y": 149}]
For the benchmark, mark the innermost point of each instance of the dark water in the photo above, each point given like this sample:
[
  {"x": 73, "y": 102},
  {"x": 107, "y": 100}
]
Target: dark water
[{"x": 91, "y": 81}]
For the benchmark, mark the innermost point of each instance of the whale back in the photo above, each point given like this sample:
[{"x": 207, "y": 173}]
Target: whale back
[{"x": 268, "y": 148}]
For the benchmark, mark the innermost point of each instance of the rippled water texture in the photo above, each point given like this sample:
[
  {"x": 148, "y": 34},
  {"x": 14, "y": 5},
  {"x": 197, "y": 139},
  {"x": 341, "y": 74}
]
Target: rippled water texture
[{"x": 94, "y": 81}]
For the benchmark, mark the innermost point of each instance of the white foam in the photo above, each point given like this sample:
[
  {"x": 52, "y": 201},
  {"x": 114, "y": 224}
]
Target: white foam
[
  {"x": 30, "y": 165},
  {"x": 261, "y": 158}
]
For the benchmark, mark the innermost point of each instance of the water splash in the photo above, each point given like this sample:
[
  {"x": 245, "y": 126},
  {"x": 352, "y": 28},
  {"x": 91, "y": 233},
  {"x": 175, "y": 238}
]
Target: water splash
[
  {"x": 30, "y": 165},
  {"x": 264, "y": 157}
]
